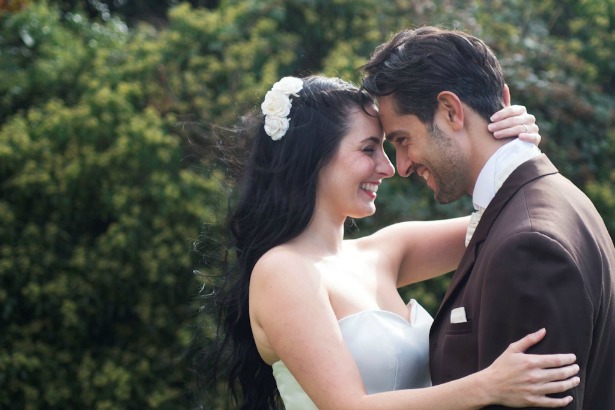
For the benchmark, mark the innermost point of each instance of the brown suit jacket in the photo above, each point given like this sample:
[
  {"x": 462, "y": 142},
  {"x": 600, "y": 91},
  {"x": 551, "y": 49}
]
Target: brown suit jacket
[{"x": 540, "y": 257}]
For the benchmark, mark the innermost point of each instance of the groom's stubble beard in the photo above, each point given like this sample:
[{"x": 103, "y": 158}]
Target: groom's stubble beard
[{"x": 448, "y": 165}]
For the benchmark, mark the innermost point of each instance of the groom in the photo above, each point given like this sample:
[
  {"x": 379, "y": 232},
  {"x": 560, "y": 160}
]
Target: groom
[{"x": 540, "y": 255}]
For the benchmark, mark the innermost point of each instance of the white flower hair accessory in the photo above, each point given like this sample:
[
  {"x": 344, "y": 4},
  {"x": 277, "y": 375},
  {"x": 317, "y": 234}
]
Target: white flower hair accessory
[{"x": 277, "y": 104}]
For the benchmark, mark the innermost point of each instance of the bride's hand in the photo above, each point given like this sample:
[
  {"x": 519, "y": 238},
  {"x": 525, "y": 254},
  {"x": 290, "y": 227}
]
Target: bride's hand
[
  {"x": 513, "y": 121},
  {"x": 517, "y": 379}
]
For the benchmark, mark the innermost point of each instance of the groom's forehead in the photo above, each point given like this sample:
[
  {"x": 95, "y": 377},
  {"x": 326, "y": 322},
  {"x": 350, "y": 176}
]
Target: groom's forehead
[
  {"x": 389, "y": 112},
  {"x": 402, "y": 127}
]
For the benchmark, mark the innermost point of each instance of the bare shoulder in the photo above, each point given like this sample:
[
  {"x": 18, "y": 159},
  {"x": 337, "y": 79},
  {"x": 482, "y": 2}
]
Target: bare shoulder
[
  {"x": 282, "y": 258},
  {"x": 285, "y": 293},
  {"x": 281, "y": 267}
]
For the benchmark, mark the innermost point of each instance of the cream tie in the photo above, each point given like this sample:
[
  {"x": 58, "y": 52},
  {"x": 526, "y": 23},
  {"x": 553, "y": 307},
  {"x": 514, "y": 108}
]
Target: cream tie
[{"x": 474, "y": 220}]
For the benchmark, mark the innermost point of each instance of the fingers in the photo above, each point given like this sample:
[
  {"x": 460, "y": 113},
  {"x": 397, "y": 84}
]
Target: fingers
[
  {"x": 561, "y": 378},
  {"x": 553, "y": 384},
  {"x": 552, "y": 360},
  {"x": 556, "y": 387},
  {"x": 510, "y": 111},
  {"x": 544, "y": 361},
  {"x": 528, "y": 341},
  {"x": 560, "y": 385},
  {"x": 552, "y": 403},
  {"x": 512, "y": 121},
  {"x": 534, "y": 376},
  {"x": 514, "y": 126},
  {"x": 534, "y": 138}
]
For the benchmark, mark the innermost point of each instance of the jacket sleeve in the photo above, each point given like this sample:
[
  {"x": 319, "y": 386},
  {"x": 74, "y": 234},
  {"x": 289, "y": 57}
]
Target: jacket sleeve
[{"x": 534, "y": 282}]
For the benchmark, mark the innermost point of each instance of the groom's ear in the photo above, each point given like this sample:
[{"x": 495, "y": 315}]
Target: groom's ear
[{"x": 451, "y": 109}]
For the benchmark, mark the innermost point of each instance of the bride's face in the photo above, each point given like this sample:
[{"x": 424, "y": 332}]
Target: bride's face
[{"x": 348, "y": 185}]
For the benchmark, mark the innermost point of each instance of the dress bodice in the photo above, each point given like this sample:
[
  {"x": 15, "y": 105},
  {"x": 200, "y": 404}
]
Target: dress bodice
[{"x": 390, "y": 352}]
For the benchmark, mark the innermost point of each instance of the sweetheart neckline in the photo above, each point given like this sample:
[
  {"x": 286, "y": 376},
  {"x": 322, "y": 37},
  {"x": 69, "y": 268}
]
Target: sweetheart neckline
[
  {"x": 396, "y": 315},
  {"x": 412, "y": 306}
]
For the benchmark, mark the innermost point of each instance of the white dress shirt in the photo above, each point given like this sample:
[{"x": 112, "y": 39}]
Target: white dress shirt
[{"x": 497, "y": 169}]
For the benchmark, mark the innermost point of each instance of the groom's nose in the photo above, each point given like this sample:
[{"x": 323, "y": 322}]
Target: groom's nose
[{"x": 404, "y": 164}]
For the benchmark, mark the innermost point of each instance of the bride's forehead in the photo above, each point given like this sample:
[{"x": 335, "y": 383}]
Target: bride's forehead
[{"x": 362, "y": 125}]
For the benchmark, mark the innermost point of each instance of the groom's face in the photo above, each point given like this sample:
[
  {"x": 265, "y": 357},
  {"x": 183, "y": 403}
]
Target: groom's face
[{"x": 426, "y": 150}]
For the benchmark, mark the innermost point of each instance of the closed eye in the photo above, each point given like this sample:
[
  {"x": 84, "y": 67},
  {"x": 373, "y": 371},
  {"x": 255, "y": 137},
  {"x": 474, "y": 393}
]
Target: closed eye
[
  {"x": 400, "y": 140},
  {"x": 397, "y": 138},
  {"x": 372, "y": 144}
]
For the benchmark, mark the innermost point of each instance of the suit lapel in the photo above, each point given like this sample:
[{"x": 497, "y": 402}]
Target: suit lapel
[{"x": 526, "y": 172}]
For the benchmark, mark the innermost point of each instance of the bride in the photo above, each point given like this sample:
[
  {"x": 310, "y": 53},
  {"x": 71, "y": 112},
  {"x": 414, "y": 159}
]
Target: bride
[{"x": 317, "y": 320}]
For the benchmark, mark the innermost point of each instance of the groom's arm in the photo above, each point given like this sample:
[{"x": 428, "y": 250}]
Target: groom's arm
[{"x": 533, "y": 282}]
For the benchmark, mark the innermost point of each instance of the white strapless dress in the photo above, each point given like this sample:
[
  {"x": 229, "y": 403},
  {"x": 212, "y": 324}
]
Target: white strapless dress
[{"x": 391, "y": 354}]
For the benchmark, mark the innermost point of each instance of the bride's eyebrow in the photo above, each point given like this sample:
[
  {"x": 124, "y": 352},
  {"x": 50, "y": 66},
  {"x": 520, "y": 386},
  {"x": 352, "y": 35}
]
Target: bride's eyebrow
[{"x": 373, "y": 139}]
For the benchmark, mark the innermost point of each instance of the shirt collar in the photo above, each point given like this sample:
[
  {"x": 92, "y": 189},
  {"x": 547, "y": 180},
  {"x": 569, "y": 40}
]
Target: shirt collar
[{"x": 486, "y": 187}]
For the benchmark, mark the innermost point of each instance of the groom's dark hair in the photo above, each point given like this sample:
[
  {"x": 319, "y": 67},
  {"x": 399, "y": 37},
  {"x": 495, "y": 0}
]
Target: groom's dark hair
[{"x": 416, "y": 65}]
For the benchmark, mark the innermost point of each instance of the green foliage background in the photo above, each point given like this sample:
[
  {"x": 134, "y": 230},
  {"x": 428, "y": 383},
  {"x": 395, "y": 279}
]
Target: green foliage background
[{"x": 113, "y": 190}]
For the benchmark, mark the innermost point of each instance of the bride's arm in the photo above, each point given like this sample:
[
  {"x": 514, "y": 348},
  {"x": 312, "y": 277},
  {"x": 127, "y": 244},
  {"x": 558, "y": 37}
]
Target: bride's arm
[
  {"x": 493, "y": 384},
  {"x": 293, "y": 320},
  {"x": 419, "y": 250}
]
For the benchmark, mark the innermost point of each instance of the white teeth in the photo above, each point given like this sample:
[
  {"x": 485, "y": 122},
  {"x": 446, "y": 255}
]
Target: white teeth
[
  {"x": 369, "y": 187},
  {"x": 425, "y": 174}
]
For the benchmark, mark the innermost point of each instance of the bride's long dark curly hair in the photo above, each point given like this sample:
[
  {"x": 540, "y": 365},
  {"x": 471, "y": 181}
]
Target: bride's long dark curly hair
[{"x": 276, "y": 203}]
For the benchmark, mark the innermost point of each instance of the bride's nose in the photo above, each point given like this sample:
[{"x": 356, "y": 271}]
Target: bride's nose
[{"x": 385, "y": 167}]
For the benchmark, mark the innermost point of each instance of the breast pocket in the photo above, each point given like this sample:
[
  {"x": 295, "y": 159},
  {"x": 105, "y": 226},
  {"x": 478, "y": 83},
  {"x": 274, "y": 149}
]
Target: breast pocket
[
  {"x": 459, "y": 348},
  {"x": 459, "y": 328}
]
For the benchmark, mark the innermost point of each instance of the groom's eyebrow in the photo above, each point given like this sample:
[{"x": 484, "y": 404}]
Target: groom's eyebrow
[{"x": 395, "y": 135}]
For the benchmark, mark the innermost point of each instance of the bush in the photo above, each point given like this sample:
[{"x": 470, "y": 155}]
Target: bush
[{"x": 98, "y": 215}]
